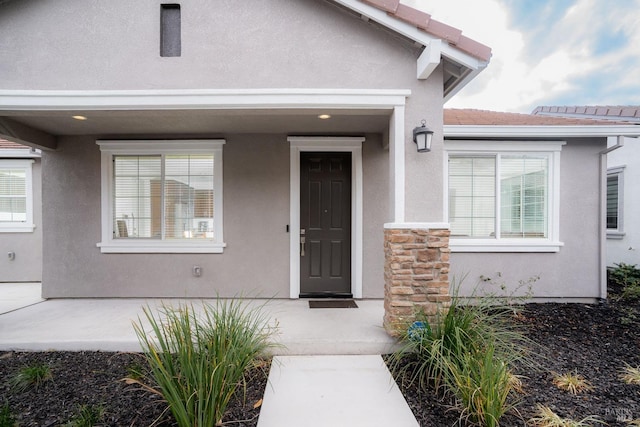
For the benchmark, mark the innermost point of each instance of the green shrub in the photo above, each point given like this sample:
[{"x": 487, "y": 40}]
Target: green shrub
[
  {"x": 30, "y": 376},
  {"x": 6, "y": 417},
  {"x": 198, "y": 361},
  {"x": 482, "y": 384},
  {"x": 468, "y": 352},
  {"x": 627, "y": 278},
  {"x": 87, "y": 416}
]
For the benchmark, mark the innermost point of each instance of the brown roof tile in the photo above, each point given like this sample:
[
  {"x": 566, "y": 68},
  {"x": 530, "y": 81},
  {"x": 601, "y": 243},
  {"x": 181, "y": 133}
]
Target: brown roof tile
[
  {"x": 9, "y": 145},
  {"x": 435, "y": 28},
  {"x": 472, "y": 117}
]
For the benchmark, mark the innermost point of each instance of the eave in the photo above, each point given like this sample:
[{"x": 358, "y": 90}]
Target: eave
[{"x": 491, "y": 131}]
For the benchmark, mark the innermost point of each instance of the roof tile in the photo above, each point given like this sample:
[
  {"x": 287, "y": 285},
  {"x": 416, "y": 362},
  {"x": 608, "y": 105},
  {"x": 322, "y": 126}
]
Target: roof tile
[
  {"x": 10, "y": 145},
  {"x": 386, "y": 5},
  {"x": 413, "y": 16},
  {"x": 473, "y": 117},
  {"x": 435, "y": 28}
]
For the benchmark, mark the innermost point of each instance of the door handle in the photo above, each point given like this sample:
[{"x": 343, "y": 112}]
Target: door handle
[{"x": 303, "y": 240}]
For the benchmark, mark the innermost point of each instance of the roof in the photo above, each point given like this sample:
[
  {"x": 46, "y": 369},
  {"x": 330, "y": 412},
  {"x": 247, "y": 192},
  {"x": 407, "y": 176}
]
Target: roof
[
  {"x": 629, "y": 113},
  {"x": 473, "y": 117},
  {"x": 423, "y": 21},
  {"x": 10, "y": 145}
]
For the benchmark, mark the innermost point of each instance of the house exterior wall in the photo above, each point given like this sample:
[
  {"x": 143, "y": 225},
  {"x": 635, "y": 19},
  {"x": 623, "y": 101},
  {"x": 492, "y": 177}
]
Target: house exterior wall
[
  {"x": 254, "y": 44},
  {"x": 574, "y": 272},
  {"x": 27, "y": 265},
  {"x": 256, "y": 211},
  {"x": 626, "y": 248}
]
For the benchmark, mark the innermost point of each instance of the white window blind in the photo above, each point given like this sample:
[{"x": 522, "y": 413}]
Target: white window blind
[
  {"x": 13, "y": 195},
  {"x": 522, "y": 201},
  {"x": 612, "y": 201},
  {"x": 162, "y": 196}
]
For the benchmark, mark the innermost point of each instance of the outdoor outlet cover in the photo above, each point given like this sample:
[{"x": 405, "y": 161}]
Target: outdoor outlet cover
[
  {"x": 197, "y": 271},
  {"x": 11, "y": 255}
]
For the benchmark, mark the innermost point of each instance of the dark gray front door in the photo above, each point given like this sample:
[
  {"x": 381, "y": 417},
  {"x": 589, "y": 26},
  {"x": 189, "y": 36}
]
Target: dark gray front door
[{"x": 325, "y": 224}]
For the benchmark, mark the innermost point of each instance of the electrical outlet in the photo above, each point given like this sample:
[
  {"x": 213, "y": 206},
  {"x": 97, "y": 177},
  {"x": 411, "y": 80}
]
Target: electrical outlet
[
  {"x": 197, "y": 271},
  {"x": 11, "y": 255}
]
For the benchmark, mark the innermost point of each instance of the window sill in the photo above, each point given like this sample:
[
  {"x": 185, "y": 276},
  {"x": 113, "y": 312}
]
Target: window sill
[
  {"x": 128, "y": 247},
  {"x": 17, "y": 228},
  {"x": 483, "y": 245},
  {"x": 615, "y": 235}
]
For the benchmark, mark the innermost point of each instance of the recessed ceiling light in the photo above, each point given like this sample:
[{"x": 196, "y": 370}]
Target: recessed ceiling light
[
  {"x": 324, "y": 116},
  {"x": 79, "y": 117}
]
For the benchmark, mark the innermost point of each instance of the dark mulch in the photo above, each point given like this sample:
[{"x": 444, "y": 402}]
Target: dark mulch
[
  {"x": 593, "y": 340},
  {"x": 95, "y": 378}
]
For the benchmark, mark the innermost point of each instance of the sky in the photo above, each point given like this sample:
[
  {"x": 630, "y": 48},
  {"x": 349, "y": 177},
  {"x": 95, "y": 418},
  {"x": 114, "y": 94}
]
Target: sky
[{"x": 547, "y": 52}]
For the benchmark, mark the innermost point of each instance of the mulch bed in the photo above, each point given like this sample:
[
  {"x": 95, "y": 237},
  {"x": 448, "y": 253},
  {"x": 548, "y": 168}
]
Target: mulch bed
[
  {"x": 592, "y": 340},
  {"x": 95, "y": 378}
]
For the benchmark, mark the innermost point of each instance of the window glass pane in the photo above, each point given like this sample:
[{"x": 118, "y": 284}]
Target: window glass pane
[
  {"x": 188, "y": 196},
  {"x": 612, "y": 201},
  {"x": 523, "y": 196},
  {"x": 472, "y": 196},
  {"x": 13, "y": 195},
  {"x": 137, "y": 205}
]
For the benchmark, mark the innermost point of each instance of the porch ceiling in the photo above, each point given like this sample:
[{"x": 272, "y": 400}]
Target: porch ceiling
[{"x": 193, "y": 122}]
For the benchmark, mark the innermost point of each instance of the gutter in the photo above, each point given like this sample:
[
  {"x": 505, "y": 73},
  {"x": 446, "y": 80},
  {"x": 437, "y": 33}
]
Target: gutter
[{"x": 603, "y": 212}]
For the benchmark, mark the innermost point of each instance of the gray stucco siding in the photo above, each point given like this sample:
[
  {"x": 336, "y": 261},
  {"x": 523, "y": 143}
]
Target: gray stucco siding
[
  {"x": 80, "y": 44},
  {"x": 573, "y": 273},
  {"x": 255, "y": 262}
]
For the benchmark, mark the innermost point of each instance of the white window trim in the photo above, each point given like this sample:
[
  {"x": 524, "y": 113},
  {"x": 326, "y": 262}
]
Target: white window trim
[
  {"x": 618, "y": 233},
  {"x": 18, "y": 226},
  {"x": 109, "y": 148},
  {"x": 552, "y": 148},
  {"x": 344, "y": 144}
]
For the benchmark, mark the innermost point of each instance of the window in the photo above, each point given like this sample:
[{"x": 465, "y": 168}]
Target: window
[
  {"x": 503, "y": 196},
  {"x": 615, "y": 180},
  {"x": 16, "y": 196},
  {"x": 162, "y": 196}
]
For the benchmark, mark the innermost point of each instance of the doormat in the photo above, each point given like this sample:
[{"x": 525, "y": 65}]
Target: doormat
[{"x": 339, "y": 303}]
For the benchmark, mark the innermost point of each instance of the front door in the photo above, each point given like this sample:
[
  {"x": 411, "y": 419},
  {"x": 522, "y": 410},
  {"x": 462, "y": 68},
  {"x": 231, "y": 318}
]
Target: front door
[{"x": 325, "y": 224}]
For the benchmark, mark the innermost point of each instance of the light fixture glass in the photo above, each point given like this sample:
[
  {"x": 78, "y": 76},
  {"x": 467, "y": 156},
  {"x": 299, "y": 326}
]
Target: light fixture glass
[
  {"x": 324, "y": 116},
  {"x": 422, "y": 136},
  {"x": 79, "y": 117}
]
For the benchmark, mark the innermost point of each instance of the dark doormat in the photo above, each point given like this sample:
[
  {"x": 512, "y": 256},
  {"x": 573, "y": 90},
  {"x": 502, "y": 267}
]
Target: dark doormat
[{"x": 339, "y": 303}]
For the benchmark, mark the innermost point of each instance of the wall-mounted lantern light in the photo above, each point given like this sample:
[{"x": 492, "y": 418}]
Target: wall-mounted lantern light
[{"x": 422, "y": 137}]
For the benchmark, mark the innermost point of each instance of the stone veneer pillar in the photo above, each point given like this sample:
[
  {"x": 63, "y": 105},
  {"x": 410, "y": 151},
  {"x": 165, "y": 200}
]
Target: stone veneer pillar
[{"x": 416, "y": 274}]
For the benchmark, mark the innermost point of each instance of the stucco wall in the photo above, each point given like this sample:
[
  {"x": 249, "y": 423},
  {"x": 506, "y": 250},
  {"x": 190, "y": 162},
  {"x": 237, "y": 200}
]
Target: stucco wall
[
  {"x": 91, "y": 45},
  {"x": 256, "y": 212},
  {"x": 627, "y": 249},
  {"x": 574, "y": 272},
  {"x": 27, "y": 265}
]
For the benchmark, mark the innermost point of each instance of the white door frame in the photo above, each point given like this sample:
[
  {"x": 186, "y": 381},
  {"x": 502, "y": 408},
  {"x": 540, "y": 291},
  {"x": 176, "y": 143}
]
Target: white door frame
[{"x": 352, "y": 145}]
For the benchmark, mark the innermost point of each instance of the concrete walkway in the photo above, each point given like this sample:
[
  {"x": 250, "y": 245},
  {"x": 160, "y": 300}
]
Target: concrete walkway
[
  {"x": 320, "y": 391},
  {"x": 327, "y": 370}
]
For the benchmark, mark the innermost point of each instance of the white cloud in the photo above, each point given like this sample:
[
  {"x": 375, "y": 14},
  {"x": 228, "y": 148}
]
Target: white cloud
[{"x": 561, "y": 55}]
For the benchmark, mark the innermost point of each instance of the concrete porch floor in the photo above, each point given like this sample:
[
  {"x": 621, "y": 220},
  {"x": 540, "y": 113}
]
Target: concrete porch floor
[{"x": 27, "y": 322}]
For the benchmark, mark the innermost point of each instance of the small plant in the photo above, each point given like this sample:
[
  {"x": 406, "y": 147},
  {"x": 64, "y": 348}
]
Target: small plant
[
  {"x": 627, "y": 278},
  {"x": 135, "y": 371},
  {"x": 30, "y": 376},
  {"x": 87, "y": 416},
  {"x": 574, "y": 383},
  {"x": 630, "y": 375},
  {"x": 6, "y": 417},
  {"x": 197, "y": 361},
  {"x": 467, "y": 352},
  {"x": 545, "y": 417},
  {"x": 482, "y": 384}
]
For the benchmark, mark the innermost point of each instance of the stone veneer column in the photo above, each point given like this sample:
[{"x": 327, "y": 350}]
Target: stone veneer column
[{"x": 416, "y": 275}]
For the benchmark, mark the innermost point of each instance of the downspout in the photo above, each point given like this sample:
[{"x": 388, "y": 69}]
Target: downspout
[{"x": 603, "y": 212}]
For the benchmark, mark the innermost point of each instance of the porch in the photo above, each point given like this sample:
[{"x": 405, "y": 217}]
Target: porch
[{"x": 32, "y": 324}]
